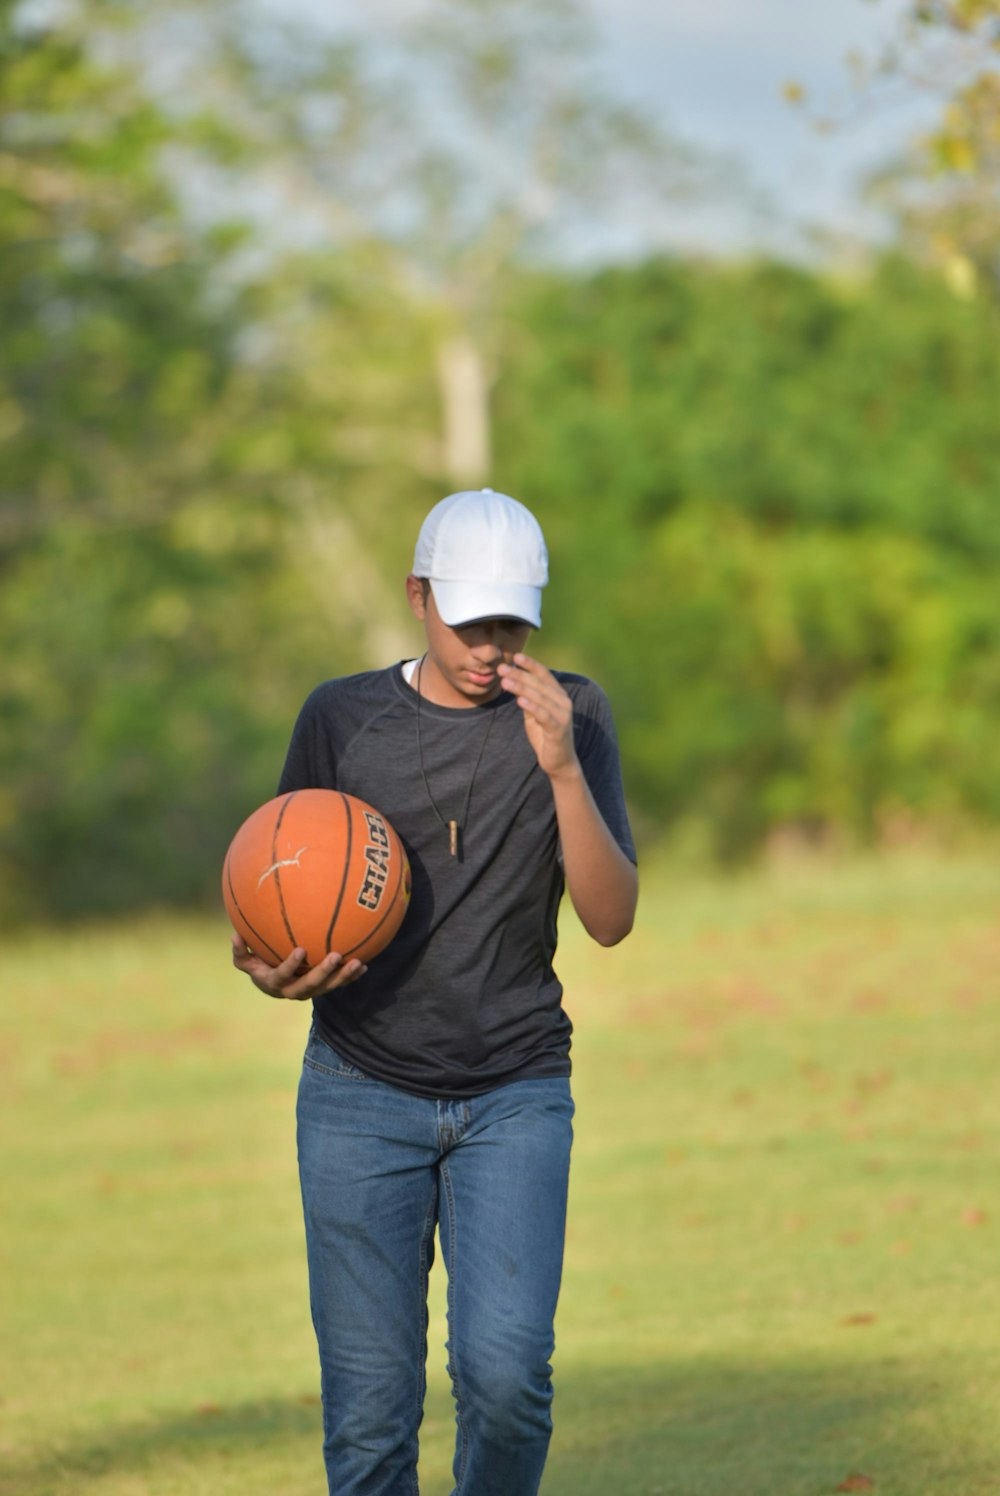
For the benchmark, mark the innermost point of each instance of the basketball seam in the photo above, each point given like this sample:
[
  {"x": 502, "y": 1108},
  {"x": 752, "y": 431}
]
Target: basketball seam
[
  {"x": 277, "y": 870},
  {"x": 255, "y": 933},
  {"x": 347, "y": 868},
  {"x": 391, "y": 906}
]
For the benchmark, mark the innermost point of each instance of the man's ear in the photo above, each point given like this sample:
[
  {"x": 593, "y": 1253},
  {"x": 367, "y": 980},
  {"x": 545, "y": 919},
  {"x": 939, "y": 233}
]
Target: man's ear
[{"x": 416, "y": 595}]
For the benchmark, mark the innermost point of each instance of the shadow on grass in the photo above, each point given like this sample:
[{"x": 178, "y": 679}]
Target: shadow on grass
[
  {"x": 206, "y": 1437},
  {"x": 769, "y": 1428},
  {"x": 704, "y": 1429}
]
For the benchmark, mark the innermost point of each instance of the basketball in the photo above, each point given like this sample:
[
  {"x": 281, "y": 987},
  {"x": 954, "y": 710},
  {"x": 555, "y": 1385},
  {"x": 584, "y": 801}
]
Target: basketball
[{"x": 317, "y": 869}]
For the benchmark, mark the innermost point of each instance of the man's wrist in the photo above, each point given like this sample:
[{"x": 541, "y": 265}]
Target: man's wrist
[{"x": 568, "y": 773}]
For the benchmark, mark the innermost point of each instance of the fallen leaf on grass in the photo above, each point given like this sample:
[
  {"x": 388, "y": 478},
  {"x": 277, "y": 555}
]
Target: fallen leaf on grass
[
  {"x": 746, "y": 994},
  {"x": 814, "y": 1073},
  {"x": 208, "y": 1408},
  {"x": 114, "y": 1045},
  {"x": 870, "y": 1084},
  {"x": 869, "y": 1001},
  {"x": 863, "y": 1318},
  {"x": 974, "y": 1218},
  {"x": 696, "y": 1047},
  {"x": 647, "y": 1011},
  {"x": 856, "y": 1482}
]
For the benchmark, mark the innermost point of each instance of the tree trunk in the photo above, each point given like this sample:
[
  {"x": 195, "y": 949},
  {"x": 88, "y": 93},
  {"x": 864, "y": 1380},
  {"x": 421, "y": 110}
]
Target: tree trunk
[{"x": 465, "y": 401}]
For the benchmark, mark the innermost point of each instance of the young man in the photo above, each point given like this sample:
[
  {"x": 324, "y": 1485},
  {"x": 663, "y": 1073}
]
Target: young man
[{"x": 435, "y": 1087}]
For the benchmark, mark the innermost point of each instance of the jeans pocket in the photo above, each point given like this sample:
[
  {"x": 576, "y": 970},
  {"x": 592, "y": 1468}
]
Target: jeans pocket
[{"x": 323, "y": 1057}]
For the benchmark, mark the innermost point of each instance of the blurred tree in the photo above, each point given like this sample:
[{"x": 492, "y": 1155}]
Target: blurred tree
[
  {"x": 945, "y": 195},
  {"x": 159, "y": 623},
  {"x": 450, "y": 149},
  {"x": 772, "y": 503}
]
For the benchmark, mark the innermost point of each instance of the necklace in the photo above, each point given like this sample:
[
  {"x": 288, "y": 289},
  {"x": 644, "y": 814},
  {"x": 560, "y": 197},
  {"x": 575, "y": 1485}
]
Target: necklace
[{"x": 455, "y": 829}]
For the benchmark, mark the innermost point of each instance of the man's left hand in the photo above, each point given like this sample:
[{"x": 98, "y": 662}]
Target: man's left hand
[{"x": 548, "y": 712}]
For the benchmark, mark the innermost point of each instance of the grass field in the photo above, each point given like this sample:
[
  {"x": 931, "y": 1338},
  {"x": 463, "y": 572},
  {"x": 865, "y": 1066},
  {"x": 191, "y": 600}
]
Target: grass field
[{"x": 781, "y": 1274}]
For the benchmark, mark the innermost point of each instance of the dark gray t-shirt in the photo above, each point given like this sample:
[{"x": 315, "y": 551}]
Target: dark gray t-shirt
[{"x": 465, "y": 998}]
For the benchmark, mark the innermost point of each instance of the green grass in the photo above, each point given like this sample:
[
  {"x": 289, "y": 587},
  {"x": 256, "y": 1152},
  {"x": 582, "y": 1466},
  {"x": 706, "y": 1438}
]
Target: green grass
[{"x": 781, "y": 1265}]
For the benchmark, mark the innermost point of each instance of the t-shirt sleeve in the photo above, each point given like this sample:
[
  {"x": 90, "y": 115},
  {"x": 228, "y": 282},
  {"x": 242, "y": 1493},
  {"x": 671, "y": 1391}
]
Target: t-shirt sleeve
[
  {"x": 311, "y": 760},
  {"x": 597, "y": 748}
]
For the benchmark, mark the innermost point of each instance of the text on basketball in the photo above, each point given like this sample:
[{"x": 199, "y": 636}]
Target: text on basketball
[{"x": 376, "y": 862}]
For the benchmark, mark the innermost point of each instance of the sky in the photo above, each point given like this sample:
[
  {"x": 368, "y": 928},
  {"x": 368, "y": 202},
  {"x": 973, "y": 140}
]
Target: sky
[{"x": 713, "y": 73}]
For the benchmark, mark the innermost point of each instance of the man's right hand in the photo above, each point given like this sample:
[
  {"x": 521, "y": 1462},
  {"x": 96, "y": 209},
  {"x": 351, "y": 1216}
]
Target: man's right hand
[{"x": 289, "y": 980}]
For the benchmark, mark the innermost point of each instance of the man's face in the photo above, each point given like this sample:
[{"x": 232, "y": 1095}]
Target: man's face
[{"x": 460, "y": 667}]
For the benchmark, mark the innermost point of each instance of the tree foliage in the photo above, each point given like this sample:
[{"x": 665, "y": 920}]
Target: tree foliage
[
  {"x": 945, "y": 193},
  {"x": 470, "y": 137},
  {"x": 160, "y": 586},
  {"x": 774, "y": 505}
]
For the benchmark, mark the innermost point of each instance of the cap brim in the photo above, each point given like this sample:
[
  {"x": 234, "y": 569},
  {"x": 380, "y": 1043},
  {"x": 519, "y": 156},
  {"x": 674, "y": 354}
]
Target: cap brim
[{"x": 468, "y": 602}]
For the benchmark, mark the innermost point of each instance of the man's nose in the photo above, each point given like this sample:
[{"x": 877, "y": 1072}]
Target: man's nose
[{"x": 487, "y": 639}]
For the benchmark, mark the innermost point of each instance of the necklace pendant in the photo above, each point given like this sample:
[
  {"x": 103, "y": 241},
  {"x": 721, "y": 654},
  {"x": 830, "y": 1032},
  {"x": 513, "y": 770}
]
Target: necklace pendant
[{"x": 453, "y": 838}]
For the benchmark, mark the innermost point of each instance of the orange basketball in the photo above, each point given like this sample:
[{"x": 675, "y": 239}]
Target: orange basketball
[{"x": 316, "y": 869}]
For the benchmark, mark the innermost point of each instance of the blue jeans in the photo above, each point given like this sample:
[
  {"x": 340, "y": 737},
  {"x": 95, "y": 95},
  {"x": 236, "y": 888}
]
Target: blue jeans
[{"x": 379, "y": 1170}]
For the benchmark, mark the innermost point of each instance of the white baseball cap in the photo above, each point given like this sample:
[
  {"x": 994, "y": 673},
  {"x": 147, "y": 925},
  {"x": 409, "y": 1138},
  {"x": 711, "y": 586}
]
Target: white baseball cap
[{"x": 484, "y": 555}]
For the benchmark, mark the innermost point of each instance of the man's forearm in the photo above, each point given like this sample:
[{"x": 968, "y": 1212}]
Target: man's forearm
[{"x": 602, "y": 882}]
